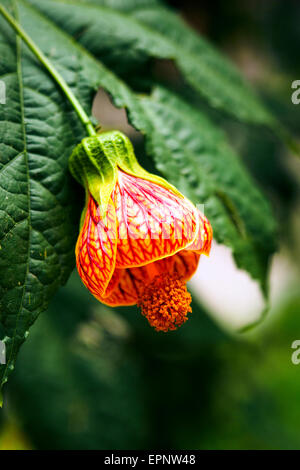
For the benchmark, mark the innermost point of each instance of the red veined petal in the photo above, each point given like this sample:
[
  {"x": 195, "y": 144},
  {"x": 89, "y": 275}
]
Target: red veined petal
[
  {"x": 153, "y": 222},
  {"x": 202, "y": 242},
  {"x": 127, "y": 290},
  {"x": 132, "y": 282},
  {"x": 185, "y": 264},
  {"x": 96, "y": 248}
]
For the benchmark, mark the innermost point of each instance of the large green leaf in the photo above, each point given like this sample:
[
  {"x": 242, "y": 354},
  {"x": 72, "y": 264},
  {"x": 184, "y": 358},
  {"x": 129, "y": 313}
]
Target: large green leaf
[
  {"x": 117, "y": 37},
  {"x": 37, "y": 230},
  {"x": 37, "y": 133}
]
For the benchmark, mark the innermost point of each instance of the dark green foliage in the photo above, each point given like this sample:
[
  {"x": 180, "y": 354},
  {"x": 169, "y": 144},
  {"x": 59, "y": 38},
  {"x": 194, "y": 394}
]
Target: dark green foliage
[{"x": 94, "y": 378}]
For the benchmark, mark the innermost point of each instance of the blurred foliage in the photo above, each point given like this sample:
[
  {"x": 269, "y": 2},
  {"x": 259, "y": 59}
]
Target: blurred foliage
[
  {"x": 11, "y": 438},
  {"x": 93, "y": 378},
  {"x": 85, "y": 372}
]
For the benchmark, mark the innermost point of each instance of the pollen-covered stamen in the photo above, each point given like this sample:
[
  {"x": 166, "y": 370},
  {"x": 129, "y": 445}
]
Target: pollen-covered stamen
[{"x": 165, "y": 302}]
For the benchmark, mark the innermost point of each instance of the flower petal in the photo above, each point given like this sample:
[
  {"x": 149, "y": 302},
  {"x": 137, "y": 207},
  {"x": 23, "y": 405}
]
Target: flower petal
[
  {"x": 96, "y": 248},
  {"x": 132, "y": 282},
  {"x": 185, "y": 264},
  {"x": 152, "y": 221},
  {"x": 127, "y": 290},
  {"x": 202, "y": 242}
]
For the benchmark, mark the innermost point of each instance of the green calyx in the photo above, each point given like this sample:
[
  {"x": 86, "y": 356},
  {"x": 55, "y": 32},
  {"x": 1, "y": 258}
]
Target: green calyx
[{"x": 95, "y": 161}]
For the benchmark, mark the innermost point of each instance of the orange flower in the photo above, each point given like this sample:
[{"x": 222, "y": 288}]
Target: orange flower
[{"x": 140, "y": 239}]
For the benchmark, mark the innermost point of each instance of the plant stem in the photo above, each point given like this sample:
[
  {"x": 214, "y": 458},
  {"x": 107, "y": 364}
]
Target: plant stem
[{"x": 55, "y": 74}]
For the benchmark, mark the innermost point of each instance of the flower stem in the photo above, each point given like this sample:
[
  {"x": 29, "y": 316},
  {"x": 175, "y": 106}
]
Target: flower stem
[{"x": 55, "y": 74}]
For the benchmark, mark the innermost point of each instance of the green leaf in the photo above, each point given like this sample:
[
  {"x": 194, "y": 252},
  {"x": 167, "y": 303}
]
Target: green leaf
[
  {"x": 118, "y": 37},
  {"x": 37, "y": 228},
  {"x": 37, "y": 133},
  {"x": 195, "y": 156}
]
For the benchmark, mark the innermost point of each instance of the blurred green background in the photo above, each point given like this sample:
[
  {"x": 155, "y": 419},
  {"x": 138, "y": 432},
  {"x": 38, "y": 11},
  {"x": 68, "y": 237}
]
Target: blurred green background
[{"x": 90, "y": 377}]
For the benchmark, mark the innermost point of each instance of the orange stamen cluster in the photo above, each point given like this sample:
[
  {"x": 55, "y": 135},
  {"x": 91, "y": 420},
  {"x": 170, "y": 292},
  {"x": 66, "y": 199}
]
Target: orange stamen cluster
[{"x": 165, "y": 302}]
